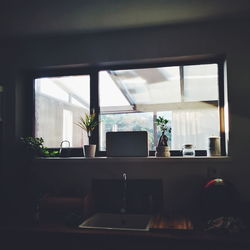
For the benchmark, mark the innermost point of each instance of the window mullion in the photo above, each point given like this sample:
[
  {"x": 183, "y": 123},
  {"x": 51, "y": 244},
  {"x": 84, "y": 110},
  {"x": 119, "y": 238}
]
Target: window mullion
[
  {"x": 94, "y": 104},
  {"x": 221, "y": 107},
  {"x": 182, "y": 82},
  {"x": 155, "y": 128}
]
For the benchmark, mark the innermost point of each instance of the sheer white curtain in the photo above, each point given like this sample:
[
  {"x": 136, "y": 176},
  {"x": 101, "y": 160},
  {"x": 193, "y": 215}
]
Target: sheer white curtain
[
  {"x": 194, "y": 127},
  {"x": 67, "y": 126}
]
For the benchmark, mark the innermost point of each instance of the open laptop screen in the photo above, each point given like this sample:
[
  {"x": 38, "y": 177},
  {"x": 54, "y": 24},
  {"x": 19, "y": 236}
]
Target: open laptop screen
[{"x": 127, "y": 143}]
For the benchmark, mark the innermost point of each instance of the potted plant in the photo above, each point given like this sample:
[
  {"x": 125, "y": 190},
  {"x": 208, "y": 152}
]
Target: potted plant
[
  {"x": 163, "y": 150},
  {"x": 34, "y": 147},
  {"x": 88, "y": 123}
]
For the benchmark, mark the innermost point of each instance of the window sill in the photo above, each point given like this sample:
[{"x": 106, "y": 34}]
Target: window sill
[{"x": 153, "y": 159}]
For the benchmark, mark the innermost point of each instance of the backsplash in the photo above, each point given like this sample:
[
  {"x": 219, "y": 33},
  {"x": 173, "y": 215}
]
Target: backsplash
[{"x": 133, "y": 196}]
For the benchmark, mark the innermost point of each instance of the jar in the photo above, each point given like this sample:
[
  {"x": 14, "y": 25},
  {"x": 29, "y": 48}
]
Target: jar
[
  {"x": 214, "y": 146},
  {"x": 188, "y": 150}
]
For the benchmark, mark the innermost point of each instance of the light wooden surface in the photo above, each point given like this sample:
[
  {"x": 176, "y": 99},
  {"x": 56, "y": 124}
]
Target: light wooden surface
[{"x": 177, "y": 222}]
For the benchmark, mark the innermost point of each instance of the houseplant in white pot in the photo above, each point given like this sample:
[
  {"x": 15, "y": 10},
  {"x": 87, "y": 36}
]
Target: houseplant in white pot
[
  {"x": 163, "y": 150},
  {"x": 88, "y": 123}
]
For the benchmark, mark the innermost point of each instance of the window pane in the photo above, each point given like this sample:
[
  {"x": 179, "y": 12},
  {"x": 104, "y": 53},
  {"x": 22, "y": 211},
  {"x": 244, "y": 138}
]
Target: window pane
[
  {"x": 59, "y": 102},
  {"x": 194, "y": 127},
  {"x": 141, "y": 87},
  {"x": 142, "y": 95},
  {"x": 126, "y": 122},
  {"x": 201, "y": 82},
  {"x": 108, "y": 89}
]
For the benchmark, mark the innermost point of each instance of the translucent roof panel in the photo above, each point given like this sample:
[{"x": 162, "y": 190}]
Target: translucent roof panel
[
  {"x": 109, "y": 93},
  {"x": 47, "y": 87},
  {"x": 201, "y": 82},
  {"x": 65, "y": 87},
  {"x": 147, "y": 86}
]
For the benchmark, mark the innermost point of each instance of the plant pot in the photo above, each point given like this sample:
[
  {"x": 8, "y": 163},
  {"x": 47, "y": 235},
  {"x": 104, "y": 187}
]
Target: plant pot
[
  {"x": 162, "y": 151},
  {"x": 89, "y": 150}
]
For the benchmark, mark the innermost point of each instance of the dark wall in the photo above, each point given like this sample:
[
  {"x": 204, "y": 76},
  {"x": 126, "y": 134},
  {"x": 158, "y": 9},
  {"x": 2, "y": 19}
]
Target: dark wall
[{"x": 181, "y": 179}]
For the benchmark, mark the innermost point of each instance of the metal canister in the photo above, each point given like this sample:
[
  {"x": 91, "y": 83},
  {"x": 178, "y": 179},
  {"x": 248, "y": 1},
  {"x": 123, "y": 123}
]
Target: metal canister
[{"x": 214, "y": 146}]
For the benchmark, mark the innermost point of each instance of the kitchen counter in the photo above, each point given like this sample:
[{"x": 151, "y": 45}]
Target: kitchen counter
[{"x": 165, "y": 232}]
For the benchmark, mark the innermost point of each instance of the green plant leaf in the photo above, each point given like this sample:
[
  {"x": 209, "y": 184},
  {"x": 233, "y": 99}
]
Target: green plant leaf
[
  {"x": 88, "y": 122},
  {"x": 162, "y": 123}
]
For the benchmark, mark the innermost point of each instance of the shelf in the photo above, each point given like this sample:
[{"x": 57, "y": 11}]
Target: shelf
[{"x": 151, "y": 159}]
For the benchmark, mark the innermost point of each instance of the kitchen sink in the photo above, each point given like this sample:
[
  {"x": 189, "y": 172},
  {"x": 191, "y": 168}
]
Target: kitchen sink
[{"x": 136, "y": 222}]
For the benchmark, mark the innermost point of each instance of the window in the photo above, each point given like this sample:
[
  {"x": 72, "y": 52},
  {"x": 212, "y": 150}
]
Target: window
[
  {"x": 59, "y": 102},
  {"x": 190, "y": 95},
  {"x": 186, "y": 95}
]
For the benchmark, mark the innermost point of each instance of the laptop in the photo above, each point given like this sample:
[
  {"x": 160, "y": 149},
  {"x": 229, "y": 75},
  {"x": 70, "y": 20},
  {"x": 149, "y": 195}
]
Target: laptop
[{"x": 127, "y": 143}]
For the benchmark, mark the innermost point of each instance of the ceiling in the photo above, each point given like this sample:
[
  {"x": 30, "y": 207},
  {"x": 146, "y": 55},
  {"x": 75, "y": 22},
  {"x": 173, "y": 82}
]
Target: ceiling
[{"x": 46, "y": 17}]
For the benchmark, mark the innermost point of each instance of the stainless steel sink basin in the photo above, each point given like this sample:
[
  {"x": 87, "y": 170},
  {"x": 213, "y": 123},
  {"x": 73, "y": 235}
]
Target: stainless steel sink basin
[{"x": 137, "y": 222}]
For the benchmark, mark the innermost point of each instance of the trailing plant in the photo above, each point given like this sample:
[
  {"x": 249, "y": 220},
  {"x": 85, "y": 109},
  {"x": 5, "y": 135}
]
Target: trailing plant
[
  {"x": 35, "y": 146},
  {"x": 88, "y": 123}
]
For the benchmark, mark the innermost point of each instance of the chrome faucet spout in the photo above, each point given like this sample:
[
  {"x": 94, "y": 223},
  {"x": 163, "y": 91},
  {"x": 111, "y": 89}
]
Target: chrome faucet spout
[
  {"x": 61, "y": 145},
  {"x": 124, "y": 194},
  {"x": 63, "y": 152},
  {"x": 124, "y": 176}
]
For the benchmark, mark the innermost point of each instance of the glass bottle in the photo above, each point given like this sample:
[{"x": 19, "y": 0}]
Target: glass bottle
[{"x": 188, "y": 150}]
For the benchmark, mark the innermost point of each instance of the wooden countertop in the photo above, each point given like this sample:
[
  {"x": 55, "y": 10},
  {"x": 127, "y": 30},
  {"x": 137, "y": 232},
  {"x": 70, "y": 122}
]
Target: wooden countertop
[
  {"x": 159, "y": 223},
  {"x": 166, "y": 222},
  {"x": 162, "y": 227},
  {"x": 166, "y": 232}
]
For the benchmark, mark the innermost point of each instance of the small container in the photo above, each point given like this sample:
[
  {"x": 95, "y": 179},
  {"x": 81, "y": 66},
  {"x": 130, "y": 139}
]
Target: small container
[
  {"x": 188, "y": 150},
  {"x": 214, "y": 146}
]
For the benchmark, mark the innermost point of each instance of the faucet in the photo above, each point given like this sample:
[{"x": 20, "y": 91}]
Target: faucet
[
  {"x": 124, "y": 194},
  {"x": 64, "y": 152}
]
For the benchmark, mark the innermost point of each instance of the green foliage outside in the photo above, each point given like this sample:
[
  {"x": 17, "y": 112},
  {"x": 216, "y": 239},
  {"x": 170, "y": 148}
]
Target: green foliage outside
[
  {"x": 130, "y": 122},
  {"x": 133, "y": 122}
]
